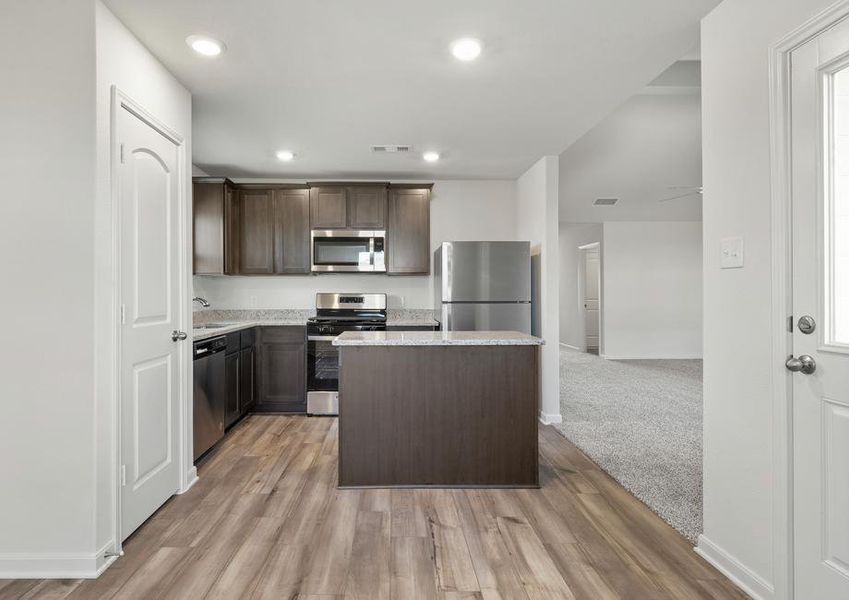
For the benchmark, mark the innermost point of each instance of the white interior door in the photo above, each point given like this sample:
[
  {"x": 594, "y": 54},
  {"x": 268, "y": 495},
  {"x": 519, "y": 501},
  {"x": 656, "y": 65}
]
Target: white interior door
[
  {"x": 150, "y": 375},
  {"x": 820, "y": 213},
  {"x": 592, "y": 280}
]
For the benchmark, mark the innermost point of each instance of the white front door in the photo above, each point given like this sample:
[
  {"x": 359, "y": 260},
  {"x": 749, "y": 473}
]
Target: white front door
[
  {"x": 148, "y": 185},
  {"x": 820, "y": 214},
  {"x": 592, "y": 295}
]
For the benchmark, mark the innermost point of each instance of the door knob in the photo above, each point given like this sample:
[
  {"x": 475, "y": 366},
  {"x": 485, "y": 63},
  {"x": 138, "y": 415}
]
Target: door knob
[
  {"x": 178, "y": 335},
  {"x": 804, "y": 364}
]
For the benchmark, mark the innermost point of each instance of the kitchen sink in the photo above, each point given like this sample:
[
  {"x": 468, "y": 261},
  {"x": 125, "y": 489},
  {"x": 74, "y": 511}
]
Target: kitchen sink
[{"x": 212, "y": 325}]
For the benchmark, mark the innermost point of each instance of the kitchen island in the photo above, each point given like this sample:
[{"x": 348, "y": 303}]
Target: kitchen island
[{"x": 441, "y": 409}]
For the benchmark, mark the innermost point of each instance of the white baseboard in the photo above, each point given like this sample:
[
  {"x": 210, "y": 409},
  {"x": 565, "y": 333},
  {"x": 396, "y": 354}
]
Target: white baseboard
[
  {"x": 550, "y": 419},
  {"x": 55, "y": 565},
  {"x": 743, "y": 577},
  {"x": 193, "y": 479},
  {"x": 677, "y": 357},
  {"x": 571, "y": 347}
]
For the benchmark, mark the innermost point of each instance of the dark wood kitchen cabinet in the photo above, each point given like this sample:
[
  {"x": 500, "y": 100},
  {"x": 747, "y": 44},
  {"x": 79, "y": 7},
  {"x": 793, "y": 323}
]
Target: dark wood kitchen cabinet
[
  {"x": 281, "y": 369},
  {"x": 367, "y": 207},
  {"x": 247, "y": 379},
  {"x": 232, "y": 373},
  {"x": 348, "y": 206},
  {"x": 329, "y": 207},
  {"x": 239, "y": 374},
  {"x": 214, "y": 240},
  {"x": 291, "y": 231},
  {"x": 256, "y": 229},
  {"x": 408, "y": 230}
]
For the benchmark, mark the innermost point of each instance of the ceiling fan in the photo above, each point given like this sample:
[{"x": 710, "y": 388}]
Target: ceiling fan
[{"x": 685, "y": 192}]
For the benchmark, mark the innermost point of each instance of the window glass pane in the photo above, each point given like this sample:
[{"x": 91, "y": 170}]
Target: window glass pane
[{"x": 837, "y": 218}]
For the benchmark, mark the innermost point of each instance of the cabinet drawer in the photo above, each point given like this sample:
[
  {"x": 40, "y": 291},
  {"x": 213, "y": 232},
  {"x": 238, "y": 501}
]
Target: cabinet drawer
[
  {"x": 283, "y": 333},
  {"x": 248, "y": 337},
  {"x": 233, "y": 341}
]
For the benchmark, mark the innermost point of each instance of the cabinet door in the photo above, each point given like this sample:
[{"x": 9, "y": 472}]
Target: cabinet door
[
  {"x": 231, "y": 377},
  {"x": 247, "y": 385},
  {"x": 256, "y": 229},
  {"x": 231, "y": 231},
  {"x": 328, "y": 207},
  {"x": 367, "y": 207},
  {"x": 281, "y": 370},
  {"x": 408, "y": 231},
  {"x": 291, "y": 231},
  {"x": 208, "y": 208}
]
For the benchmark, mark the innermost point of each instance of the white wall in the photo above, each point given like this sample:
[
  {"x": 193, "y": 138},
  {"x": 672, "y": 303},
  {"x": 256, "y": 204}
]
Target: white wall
[
  {"x": 56, "y": 515},
  {"x": 536, "y": 220},
  {"x": 460, "y": 210},
  {"x": 124, "y": 62},
  {"x": 47, "y": 162},
  {"x": 647, "y": 145},
  {"x": 739, "y": 500},
  {"x": 652, "y": 290},
  {"x": 573, "y": 235}
]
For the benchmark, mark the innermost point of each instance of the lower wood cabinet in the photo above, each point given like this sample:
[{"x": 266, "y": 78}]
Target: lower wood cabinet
[
  {"x": 247, "y": 379},
  {"x": 232, "y": 375},
  {"x": 281, "y": 369},
  {"x": 239, "y": 375}
]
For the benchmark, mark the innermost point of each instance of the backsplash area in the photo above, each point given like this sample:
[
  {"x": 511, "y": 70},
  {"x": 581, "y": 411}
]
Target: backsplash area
[
  {"x": 407, "y": 316},
  {"x": 298, "y": 291}
]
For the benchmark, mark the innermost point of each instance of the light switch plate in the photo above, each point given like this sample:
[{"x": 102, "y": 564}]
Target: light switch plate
[{"x": 731, "y": 253}]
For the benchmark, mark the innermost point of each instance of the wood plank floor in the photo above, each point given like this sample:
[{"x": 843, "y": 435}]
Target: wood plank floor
[{"x": 266, "y": 521}]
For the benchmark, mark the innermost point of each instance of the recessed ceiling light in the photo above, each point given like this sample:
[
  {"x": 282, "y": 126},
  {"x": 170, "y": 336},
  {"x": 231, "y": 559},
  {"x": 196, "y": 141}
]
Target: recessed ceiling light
[
  {"x": 205, "y": 45},
  {"x": 431, "y": 156},
  {"x": 466, "y": 49},
  {"x": 285, "y": 155}
]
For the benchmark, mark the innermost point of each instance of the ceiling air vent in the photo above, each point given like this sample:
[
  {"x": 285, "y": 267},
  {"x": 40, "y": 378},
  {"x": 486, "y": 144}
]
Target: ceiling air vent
[
  {"x": 605, "y": 201},
  {"x": 391, "y": 148}
]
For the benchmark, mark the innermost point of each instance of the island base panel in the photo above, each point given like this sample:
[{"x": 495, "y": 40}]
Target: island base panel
[{"x": 441, "y": 416}]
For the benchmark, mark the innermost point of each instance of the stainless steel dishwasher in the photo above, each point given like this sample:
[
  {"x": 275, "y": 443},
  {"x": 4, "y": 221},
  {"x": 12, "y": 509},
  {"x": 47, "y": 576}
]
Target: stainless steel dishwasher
[{"x": 210, "y": 393}]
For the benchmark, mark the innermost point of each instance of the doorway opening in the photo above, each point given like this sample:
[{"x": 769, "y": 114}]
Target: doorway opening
[{"x": 589, "y": 284}]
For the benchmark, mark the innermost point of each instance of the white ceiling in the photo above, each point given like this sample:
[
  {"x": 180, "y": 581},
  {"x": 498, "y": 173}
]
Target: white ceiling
[
  {"x": 329, "y": 78},
  {"x": 645, "y": 147}
]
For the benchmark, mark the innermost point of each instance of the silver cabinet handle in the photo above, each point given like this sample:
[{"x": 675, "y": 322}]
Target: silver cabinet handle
[
  {"x": 804, "y": 364},
  {"x": 178, "y": 335}
]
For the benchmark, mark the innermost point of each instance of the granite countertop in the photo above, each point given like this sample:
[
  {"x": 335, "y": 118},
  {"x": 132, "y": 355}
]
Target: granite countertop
[
  {"x": 436, "y": 338},
  {"x": 236, "y": 320}
]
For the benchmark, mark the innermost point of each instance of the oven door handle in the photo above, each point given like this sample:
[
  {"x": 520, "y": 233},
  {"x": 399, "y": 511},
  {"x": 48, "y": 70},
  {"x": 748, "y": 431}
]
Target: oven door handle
[{"x": 321, "y": 338}]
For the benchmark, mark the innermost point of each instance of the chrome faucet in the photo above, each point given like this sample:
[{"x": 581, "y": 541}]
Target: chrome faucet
[{"x": 202, "y": 301}]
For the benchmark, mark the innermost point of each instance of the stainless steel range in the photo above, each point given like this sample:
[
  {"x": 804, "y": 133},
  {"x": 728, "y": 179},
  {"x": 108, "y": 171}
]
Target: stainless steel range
[{"x": 336, "y": 313}]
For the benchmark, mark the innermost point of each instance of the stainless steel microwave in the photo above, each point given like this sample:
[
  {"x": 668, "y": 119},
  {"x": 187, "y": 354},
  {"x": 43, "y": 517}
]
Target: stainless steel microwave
[{"x": 348, "y": 250}]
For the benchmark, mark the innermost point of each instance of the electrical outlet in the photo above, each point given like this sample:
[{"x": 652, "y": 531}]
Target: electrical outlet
[{"x": 731, "y": 253}]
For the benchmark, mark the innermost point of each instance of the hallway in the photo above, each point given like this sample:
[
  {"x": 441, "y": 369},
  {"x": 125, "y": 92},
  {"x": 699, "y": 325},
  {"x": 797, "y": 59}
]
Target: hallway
[{"x": 641, "y": 421}]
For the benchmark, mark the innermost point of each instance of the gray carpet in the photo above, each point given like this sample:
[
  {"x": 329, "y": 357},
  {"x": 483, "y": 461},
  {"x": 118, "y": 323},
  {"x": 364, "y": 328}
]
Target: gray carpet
[{"x": 641, "y": 421}]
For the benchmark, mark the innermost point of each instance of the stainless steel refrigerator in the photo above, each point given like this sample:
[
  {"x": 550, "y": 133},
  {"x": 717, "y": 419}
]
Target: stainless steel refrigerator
[{"x": 482, "y": 286}]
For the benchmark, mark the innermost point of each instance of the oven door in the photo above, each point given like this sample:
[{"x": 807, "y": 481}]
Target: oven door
[
  {"x": 322, "y": 376},
  {"x": 338, "y": 250}
]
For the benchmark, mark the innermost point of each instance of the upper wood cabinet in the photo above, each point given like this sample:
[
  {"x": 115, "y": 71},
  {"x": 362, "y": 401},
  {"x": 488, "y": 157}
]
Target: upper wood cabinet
[
  {"x": 256, "y": 230},
  {"x": 345, "y": 206},
  {"x": 264, "y": 229},
  {"x": 214, "y": 246},
  {"x": 291, "y": 231},
  {"x": 408, "y": 231},
  {"x": 367, "y": 207},
  {"x": 232, "y": 237},
  {"x": 329, "y": 207}
]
